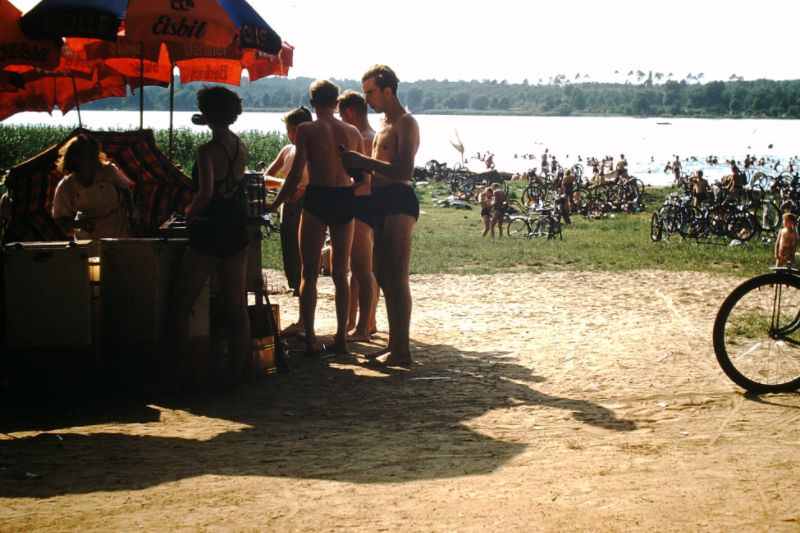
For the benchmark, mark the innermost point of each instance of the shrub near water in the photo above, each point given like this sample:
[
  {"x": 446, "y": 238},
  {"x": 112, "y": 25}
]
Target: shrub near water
[
  {"x": 261, "y": 146},
  {"x": 19, "y": 143}
]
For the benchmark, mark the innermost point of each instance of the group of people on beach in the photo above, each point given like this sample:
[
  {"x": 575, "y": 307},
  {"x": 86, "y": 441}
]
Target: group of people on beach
[
  {"x": 494, "y": 203},
  {"x": 341, "y": 177},
  {"x": 344, "y": 178}
]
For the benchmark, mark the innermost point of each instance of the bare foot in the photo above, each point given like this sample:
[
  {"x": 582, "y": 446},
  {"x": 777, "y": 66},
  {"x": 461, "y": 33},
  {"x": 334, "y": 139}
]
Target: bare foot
[
  {"x": 377, "y": 353},
  {"x": 293, "y": 330},
  {"x": 315, "y": 348},
  {"x": 359, "y": 336},
  {"x": 339, "y": 346},
  {"x": 388, "y": 359}
]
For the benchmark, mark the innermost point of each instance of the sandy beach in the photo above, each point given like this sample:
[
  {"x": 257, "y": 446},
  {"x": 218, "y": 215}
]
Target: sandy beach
[{"x": 568, "y": 401}]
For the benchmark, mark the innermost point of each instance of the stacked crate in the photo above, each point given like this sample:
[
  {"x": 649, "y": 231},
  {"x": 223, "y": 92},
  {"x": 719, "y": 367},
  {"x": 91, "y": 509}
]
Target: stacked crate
[{"x": 48, "y": 294}]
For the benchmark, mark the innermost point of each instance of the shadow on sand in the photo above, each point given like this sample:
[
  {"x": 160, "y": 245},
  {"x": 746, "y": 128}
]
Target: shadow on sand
[{"x": 329, "y": 419}]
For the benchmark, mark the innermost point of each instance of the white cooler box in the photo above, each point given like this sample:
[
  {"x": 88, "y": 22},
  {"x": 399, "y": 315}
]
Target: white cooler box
[{"x": 48, "y": 294}]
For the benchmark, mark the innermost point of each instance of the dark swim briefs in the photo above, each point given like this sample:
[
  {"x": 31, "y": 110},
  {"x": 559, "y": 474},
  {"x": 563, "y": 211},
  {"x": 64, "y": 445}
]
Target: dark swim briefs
[
  {"x": 332, "y": 205},
  {"x": 362, "y": 209},
  {"x": 394, "y": 199}
]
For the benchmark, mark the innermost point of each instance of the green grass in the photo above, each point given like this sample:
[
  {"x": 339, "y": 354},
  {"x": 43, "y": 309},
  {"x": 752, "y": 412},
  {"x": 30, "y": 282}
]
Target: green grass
[{"x": 448, "y": 240}]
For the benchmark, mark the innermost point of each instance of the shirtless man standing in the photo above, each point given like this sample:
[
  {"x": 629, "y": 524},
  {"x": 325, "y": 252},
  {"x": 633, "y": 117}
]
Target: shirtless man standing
[
  {"x": 328, "y": 202},
  {"x": 363, "y": 287},
  {"x": 395, "y": 204}
]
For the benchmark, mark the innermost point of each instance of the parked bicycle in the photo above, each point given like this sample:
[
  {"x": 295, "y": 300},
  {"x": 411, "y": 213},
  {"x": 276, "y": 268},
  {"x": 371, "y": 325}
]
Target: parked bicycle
[
  {"x": 540, "y": 221},
  {"x": 757, "y": 332}
]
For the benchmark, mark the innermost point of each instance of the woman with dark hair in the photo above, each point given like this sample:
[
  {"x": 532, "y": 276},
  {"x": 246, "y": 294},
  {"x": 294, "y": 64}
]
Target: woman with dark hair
[
  {"x": 216, "y": 219},
  {"x": 90, "y": 197}
]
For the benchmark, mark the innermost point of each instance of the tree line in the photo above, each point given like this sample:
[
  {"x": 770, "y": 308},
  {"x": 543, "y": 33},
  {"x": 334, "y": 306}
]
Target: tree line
[{"x": 689, "y": 97}]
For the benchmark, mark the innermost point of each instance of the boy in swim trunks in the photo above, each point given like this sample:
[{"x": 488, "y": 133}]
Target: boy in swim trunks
[
  {"x": 328, "y": 203},
  {"x": 395, "y": 204},
  {"x": 786, "y": 243},
  {"x": 499, "y": 207},
  {"x": 363, "y": 286},
  {"x": 292, "y": 209},
  {"x": 485, "y": 198}
]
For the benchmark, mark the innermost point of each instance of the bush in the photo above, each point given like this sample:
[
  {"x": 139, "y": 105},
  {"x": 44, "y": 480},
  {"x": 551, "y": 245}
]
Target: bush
[{"x": 19, "y": 143}]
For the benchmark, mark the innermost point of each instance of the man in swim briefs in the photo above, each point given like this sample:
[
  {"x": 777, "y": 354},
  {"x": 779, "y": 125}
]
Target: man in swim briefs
[
  {"x": 328, "y": 203},
  {"x": 395, "y": 204}
]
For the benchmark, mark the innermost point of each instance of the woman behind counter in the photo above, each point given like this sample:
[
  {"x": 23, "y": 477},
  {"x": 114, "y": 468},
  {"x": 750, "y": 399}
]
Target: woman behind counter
[
  {"x": 88, "y": 197},
  {"x": 216, "y": 219}
]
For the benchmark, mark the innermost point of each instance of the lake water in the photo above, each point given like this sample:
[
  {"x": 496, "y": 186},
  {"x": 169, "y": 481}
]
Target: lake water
[{"x": 647, "y": 143}]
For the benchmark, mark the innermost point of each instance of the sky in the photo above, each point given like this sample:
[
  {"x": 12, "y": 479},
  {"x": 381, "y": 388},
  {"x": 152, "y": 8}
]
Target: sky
[{"x": 515, "y": 41}]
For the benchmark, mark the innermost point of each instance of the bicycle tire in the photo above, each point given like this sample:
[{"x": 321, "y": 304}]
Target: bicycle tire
[
  {"x": 527, "y": 192},
  {"x": 671, "y": 220},
  {"x": 655, "y": 227},
  {"x": 554, "y": 229},
  {"x": 691, "y": 222},
  {"x": 742, "y": 226},
  {"x": 767, "y": 216},
  {"x": 518, "y": 226},
  {"x": 538, "y": 228},
  {"x": 750, "y": 348}
]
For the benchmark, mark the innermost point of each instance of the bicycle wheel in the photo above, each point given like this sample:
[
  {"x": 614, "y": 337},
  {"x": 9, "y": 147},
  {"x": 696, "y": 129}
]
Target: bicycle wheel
[
  {"x": 526, "y": 194},
  {"x": 655, "y": 227},
  {"x": 741, "y": 226},
  {"x": 757, "y": 334},
  {"x": 767, "y": 215},
  {"x": 554, "y": 229},
  {"x": 671, "y": 220},
  {"x": 538, "y": 227},
  {"x": 518, "y": 227}
]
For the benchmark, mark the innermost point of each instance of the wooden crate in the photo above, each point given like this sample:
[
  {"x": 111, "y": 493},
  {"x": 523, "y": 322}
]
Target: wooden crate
[
  {"x": 48, "y": 294},
  {"x": 262, "y": 351},
  {"x": 136, "y": 284}
]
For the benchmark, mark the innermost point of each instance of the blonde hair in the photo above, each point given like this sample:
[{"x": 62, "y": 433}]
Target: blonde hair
[
  {"x": 324, "y": 93},
  {"x": 78, "y": 148}
]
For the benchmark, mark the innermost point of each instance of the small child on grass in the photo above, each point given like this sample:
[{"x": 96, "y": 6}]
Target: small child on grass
[{"x": 786, "y": 242}]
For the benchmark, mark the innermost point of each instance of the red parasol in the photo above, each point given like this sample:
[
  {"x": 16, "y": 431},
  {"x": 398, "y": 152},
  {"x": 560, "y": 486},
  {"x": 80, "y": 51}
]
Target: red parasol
[
  {"x": 218, "y": 23},
  {"x": 74, "y": 80},
  {"x": 19, "y": 52},
  {"x": 44, "y": 90},
  {"x": 227, "y": 34}
]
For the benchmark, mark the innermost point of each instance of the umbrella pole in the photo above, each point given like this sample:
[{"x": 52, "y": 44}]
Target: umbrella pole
[
  {"x": 141, "y": 86},
  {"x": 171, "y": 107},
  {"x": 77, "y": 105}
]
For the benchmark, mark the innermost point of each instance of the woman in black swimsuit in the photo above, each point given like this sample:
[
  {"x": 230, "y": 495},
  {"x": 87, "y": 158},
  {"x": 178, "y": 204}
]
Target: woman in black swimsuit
[{"x": 216, "y": 219}]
